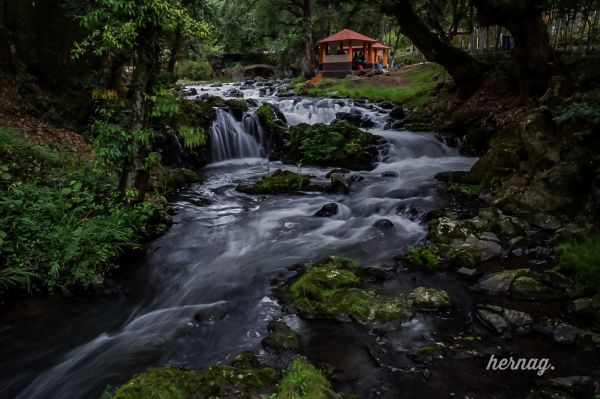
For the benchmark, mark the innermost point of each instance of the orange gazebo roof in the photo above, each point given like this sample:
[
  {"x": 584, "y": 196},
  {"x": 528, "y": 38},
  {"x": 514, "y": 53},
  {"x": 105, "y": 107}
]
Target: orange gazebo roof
[
  {"x": 380, "y": 46},
  {"x": 347, "y": 35}
]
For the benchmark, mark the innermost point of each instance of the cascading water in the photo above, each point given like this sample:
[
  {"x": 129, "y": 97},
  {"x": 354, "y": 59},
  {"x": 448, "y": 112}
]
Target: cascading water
[
  {"x": 205, "y": 294},
  {"x": 229, "y": 139}
]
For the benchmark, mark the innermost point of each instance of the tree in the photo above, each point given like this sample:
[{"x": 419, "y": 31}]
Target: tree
[
  {"x": 431, "y": 39},
  {"x": 308, "y": 60},
  {"x": 139, "y": 28},
  {"x": 533, "y": 57}
]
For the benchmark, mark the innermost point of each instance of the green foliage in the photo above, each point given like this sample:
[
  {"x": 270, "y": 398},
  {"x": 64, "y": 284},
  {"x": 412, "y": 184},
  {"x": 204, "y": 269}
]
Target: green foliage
[
  {"x": 305, "y": 381},
  {"x": 63, "y": 227},
  {"x": 583, "y": 260},
  {"x": 120, "y": 24},
  {"x": 580, "y": 112},
  {"x": 194, "y": 70},
  {"x": 192, "y": 136}
]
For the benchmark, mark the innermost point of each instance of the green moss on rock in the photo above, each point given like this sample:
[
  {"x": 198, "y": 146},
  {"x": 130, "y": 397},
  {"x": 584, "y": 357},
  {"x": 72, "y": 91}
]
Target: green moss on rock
[
  {"x": 331, "y": 145},
  {"x": 332, "y": 288},
  {"x": 215, "y": 381},
  {"x": 281, "y": 338},
  {"x": 423, "y": 257},
  {"x": 280, "y": 182}
]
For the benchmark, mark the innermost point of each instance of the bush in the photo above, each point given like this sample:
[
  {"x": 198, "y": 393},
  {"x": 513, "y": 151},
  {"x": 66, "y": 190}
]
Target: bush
[
  {"x": 194, "y": 70},
  {"x": 583, "y": 260},
  {"x": 61, "y": 226}
]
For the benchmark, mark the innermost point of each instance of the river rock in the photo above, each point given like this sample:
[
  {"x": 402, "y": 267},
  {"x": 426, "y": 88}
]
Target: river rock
[
  {"x": 499, "y": 283},
  {"x": 383, "y": 224},
  {"x": 356, "y": 178},
  {"x": 465, "y": 271},
  {"x": 526, "y": 287},
  {"x": 339, "y": 184},
  {"x": 398, "y": 113},
  {"x": 546, "y": 222},
  {"x": 327, "y": 210},
  {"x": 234, "y": 93},
  {"x": 493, "y": 321},
  {"x": 216, "y": 85},
  {"x": 429, "y": 298},
  {"x": 281, "y": 338},
  {"x": 560, "y": 331},
  {"x": 579, "y": 386},
  {"x": 489, "y": 236},
  {"x": 341, "y": 171}
]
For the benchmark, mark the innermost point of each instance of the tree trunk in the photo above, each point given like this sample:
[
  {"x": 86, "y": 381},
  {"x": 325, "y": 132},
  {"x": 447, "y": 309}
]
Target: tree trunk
[
  {"x": 532, "y": 55},
  {"x": 174, "y": 51},
  {"x": 464, "y": 69},
  {"x": 308, "y": 60},
  {"x": 146, "y": 67}
]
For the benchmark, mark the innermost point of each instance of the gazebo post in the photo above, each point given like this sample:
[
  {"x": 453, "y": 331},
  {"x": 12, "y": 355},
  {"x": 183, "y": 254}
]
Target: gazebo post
[
  {"x": 385, "y": 58},
  {"x": 321, "y": 53},
  {"x": 370, "y": 54},
  {"x": 350, "y": 50}
]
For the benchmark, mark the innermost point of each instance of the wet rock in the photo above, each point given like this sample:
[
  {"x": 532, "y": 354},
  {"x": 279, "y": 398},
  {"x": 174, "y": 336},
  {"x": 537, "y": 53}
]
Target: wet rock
[
  {"x": 429, "y": 298},
  {"x": 356, "y": 178},
  {"x": 234, "y": 93},
  {"x": 281, "y": 338},
  {"x": 339, "y": 184},
  {"x": 398, "y": 113},
  {"x": 489, "y": 236},
  {"x": 526, "y": 287},
  {"x": 425, "y": 354},
  {"x": 212, "y": 313},
  {"x": 546, "y": 222},
  {"x": 341, "y": 171},
  {"x": 560, "y": 331},
  {"x": 493, "y": 321},
  {"x": 383, "y": 224},
  {"x": 580, "y": 386},
  {"x": 386, "y": 105},
  {"x": 327, "y": 210},
  {"x": 484, "y": 250},
  {"x": 556, "y": 279},
  {"x": 499, "y": 283},
  {"x": 465, "y": 271},
  {"x": 390, "y": 173},
  {"x": 517, "y": 318},
  {"x": 587, "y": 306}
]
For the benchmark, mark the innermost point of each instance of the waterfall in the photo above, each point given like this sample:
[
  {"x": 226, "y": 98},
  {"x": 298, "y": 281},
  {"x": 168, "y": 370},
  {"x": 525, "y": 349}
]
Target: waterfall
[{"x": 229, "y": 139}]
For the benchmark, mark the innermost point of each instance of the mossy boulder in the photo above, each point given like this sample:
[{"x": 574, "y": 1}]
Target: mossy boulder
[
  {"x": 237, "y": 107},
  {"x": 332, "y": 288},
  {"x": 280, "y": 182},
  {"x": 521, "y": 284},
  {"x": 281, "y": 338},
  {"x": 215, "y": 381},
  {"x": 274, "y": 126},
  {"x": 168, "y": 180},
  {"x": 331, "y": 145}
]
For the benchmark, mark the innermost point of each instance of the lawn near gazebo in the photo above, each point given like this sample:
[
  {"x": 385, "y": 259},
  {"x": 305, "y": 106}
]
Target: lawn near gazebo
[{"x": 410, "y": 85}]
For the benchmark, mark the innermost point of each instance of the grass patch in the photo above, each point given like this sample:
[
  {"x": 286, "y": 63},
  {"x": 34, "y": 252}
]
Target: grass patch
[
  {"x": 305, "y": 381},
  {"x": 583, "y": 260},
  {"x": 413, "y": 89}
]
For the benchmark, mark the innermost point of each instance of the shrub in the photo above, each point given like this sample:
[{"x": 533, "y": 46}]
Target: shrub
[
  {"x": 194, "y": 70},
  {"x": 61, "y": 225},
  {"x": 583, "y": 260}
]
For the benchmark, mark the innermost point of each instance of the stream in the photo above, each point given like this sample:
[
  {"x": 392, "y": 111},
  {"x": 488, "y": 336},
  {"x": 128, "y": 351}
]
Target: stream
[{"x": 203, "y": 292}]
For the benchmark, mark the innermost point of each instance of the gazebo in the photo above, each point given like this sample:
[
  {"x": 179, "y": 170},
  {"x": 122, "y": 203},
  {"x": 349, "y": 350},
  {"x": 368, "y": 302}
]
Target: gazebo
[
  {"x": 336, "y": 52},
  {"x": 378, "y": 47}
]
